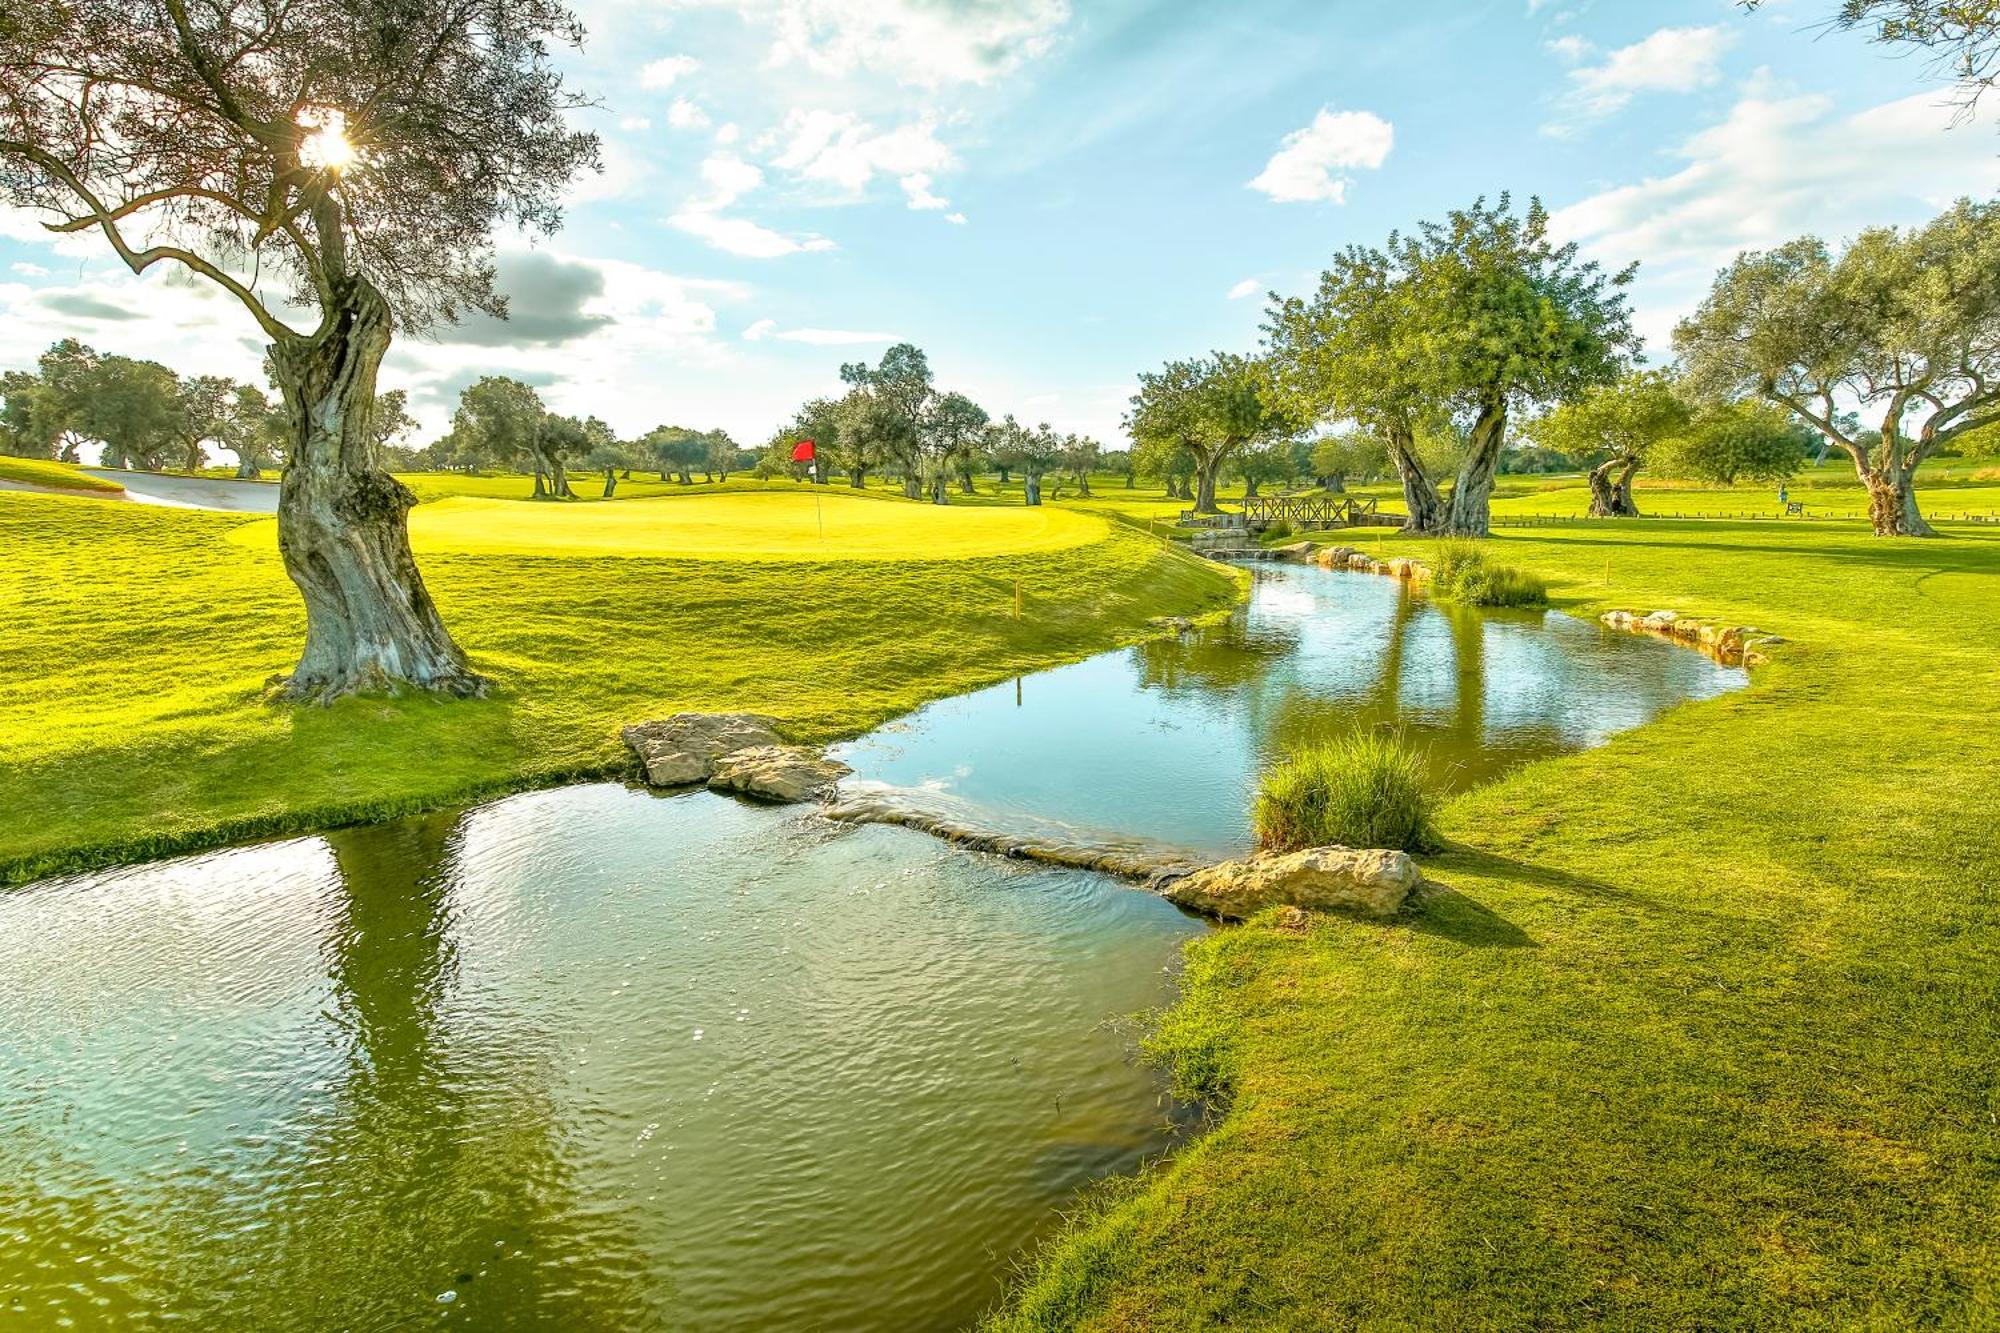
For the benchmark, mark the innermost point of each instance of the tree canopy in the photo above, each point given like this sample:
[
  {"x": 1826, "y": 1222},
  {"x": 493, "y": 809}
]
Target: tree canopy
[
  {"x": 1460, "y": 323},
  {"x": 1614, "y": 428},
  {"x": 1905, "y": 322},
  {"x": 1211, "y": 408}
]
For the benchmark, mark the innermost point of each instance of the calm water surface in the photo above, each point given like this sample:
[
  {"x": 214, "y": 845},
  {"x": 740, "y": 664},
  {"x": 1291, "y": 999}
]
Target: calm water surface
[
  {"x": 594, "y": 1059},
  {"x": 1168, "y": 740}
]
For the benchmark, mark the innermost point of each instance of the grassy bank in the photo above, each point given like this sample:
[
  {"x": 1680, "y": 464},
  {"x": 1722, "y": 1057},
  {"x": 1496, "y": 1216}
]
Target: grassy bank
[
  {"x": 46, "y": 472},
  {"x": 132, "y": 720},
  {"x": 1704, "y": 1032}
]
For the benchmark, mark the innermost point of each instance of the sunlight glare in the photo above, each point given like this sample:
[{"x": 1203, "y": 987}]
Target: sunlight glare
[{"x": 327, "y": 146}]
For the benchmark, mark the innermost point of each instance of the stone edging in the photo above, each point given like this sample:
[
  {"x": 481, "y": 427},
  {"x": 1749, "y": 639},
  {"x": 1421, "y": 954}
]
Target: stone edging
[{"x": 1731, "y": 645}]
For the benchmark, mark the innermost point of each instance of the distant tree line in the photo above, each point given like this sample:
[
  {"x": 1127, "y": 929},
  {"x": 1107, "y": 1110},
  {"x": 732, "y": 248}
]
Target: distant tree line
[
  {"x": 894, "y": 421},
  {"x": 141, "y": 413}
]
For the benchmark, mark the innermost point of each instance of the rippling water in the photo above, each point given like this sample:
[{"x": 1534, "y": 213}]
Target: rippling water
[
  {"x": 597, "y": 1059},
  {"x": 1168, "y": 740},
  {"x": 577, "y": 1059}
]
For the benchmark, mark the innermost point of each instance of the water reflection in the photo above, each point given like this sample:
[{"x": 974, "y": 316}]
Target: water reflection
[
  {"x": 578, "y": 1059},
  {"x": 1168, "y": 740}
]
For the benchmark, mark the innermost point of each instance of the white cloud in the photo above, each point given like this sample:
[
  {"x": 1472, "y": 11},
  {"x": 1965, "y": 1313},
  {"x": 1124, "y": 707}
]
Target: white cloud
[
  {"x": 765, "y": 328},
  {"x": 1671, "y": 60},
  {"x": 686, "y": 114},
  {"x": 920, "y": 42},
  {"x": 955, "y": 219},
  {"x": 1773, "y": 169},
  {"x": 741, "y": 236},
  {"x": 1312, "y": 163},
  {"x": 27, "y": 270},
  {"x": 729, "y": 178},
  {"x": 917, "y": 189},
  {"x": 841, "y": 149},
  {"x": 1247, "y": 287},
  {"x": 1571, "y": 48},
  {"x": 662, "y": 73},
  {"x": 728, "y": 134}
]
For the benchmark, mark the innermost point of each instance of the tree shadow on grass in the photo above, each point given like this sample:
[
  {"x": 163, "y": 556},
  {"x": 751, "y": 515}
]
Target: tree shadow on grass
[{"x": 1447, "y": 912}]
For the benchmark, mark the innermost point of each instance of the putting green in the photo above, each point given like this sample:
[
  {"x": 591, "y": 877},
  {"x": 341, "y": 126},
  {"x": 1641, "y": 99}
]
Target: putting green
[{"x": 756, "y": 526}]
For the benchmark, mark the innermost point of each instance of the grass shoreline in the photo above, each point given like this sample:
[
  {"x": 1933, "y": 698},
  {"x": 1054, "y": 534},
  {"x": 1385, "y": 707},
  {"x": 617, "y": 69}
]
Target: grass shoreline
[
  {"x": 1698, "y": 1033},
  {"x": 145, "y": 636}
]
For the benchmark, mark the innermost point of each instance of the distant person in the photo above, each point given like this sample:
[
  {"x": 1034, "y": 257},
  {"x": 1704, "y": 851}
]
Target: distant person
[{"x": 1784, "y": 495}]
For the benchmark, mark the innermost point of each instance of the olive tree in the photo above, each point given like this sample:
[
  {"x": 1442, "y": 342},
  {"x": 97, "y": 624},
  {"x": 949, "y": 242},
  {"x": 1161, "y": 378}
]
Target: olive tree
[
  {"x": 1034, "y": 453},
  {"x": 1212, "y": 407},
  {"x": 953, "y": 427},
  {"x": 1619, "y": 425},
  {"x": 1904, "y": 322},
  {"x": 203, "y": 403},
  {"x": 1962, "y": 37},
  {"x": 901, "y": 398},
  {"x": 356, "y": 152},
  {"x": 1748, "y": 440},
  {"x": 503, "y": 420},
  {"x": 1466, "y": 321},
  {"x": 254, "y": 431},
  {"x": 1080, "y": 457}
]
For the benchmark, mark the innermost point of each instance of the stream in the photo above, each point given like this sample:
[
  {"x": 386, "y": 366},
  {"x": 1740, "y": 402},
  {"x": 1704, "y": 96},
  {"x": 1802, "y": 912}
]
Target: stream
[{"x": 597, "y": 1058}]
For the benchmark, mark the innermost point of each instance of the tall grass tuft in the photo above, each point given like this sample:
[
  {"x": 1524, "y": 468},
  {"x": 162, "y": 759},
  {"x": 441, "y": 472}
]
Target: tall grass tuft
[
  {"x": 1364, "y": 790},
  {"x": 1460, "y": 572}
]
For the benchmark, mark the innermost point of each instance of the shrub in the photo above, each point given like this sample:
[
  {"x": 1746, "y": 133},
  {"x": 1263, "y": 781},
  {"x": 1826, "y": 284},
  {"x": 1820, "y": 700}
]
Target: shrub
[
  {"x": 1460, "y": 572},
  {"x": 1364, "y": 790},
  {"x": 1279, "y": 530}
]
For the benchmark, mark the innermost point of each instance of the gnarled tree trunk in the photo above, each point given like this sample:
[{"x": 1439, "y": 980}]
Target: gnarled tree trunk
[
  {"x": 1613, "y": 498},
  {"x": 1892, "y": 503},
  {"x": 1420, "y": 494},
  {"x": 1468, "y": 513},
  {"x": 1204, "y": 484},
  {"x": 1031, "y": 488},
  {"x": 342, "y": 521}
]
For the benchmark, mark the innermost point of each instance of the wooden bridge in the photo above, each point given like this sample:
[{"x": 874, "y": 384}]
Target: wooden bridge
[{"x": 1309, "y": 509}]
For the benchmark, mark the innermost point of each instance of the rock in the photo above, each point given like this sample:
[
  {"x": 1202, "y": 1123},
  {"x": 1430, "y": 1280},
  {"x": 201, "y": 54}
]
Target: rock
[
  {"x": 946, "y": 817},
  {"x": 790, "y": 773},
  {"x": 1371, "y": 883},
  {"x": 681, "y": 750},
  {"x": 1617, "y": 619},
  {"x": 1172, "y": 624},
  {"x": 1300, "y": 551},
  {"x": 1660, "y": 621}
]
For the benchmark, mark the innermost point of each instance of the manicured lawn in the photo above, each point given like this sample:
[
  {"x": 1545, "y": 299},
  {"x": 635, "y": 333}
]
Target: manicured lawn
[
  {"x": 1704, "y": 1033},
  {"x": 786, "y": 525},
  {"x": 139, "y": 640},
  {"x": 45, "y": 472}
]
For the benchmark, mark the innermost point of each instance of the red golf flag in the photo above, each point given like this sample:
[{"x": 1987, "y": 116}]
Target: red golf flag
[{"x": 803, "y": 452}]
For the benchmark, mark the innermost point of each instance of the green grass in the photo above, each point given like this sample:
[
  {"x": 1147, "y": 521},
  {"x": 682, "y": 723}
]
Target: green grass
[
  {"x": 789, "y": 525},
  {"x": 139, "y": 641},
  {"x": 1363, "y": 790},
  {"x": 46, "y": 472},
  {"x": 1464, "y": 571},
  {"x": 1701, "y": 1031}
]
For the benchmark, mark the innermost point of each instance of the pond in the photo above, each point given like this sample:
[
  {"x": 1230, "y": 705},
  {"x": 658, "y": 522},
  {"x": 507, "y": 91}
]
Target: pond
[
  {"x": 596, "y": 1058},
  {"x": 1167, "y": 741}
]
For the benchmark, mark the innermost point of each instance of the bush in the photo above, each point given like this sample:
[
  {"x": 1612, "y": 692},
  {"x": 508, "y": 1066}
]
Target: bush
[
  {"x": 1461, "y": 573},
  {"x": 1278, "y": 530},
  {"x": 1365, "y": 790}
]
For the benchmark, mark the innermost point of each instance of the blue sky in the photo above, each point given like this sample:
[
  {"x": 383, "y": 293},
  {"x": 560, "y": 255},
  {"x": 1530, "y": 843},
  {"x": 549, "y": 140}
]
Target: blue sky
[{"x": 1051, "y": 195}]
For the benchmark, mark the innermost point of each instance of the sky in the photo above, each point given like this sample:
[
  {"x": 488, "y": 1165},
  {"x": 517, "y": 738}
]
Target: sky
[{"x": 1050, "y": 196}]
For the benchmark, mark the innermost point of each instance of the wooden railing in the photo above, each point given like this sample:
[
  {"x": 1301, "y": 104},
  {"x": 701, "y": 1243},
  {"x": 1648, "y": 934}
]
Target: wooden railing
[{"x": 1311, "y": 509}]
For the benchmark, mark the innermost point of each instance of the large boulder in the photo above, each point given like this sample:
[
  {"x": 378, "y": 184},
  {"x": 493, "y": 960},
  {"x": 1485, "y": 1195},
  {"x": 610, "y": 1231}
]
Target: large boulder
[
  {"x": 680, "y": 751},
  {"x": 778, "y": 773},
  {"x": 1370, "y": 883}
]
